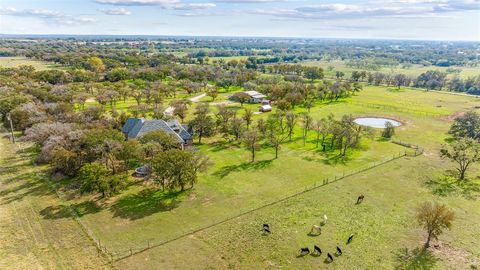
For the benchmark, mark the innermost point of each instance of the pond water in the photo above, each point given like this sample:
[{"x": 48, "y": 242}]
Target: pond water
[{"x": 376, "y": 122}]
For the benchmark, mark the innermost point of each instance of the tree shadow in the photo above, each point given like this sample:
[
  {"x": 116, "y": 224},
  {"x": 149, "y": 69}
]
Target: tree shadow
[
  {"x": 448, "y": 184},
  {"x": 16, "y": 194},
  {"x": 226, "y": 170},
  {"x": 145, "y": 203},
  {"x": 418, "y": 258},
  {"x": 63, "y": 211}
]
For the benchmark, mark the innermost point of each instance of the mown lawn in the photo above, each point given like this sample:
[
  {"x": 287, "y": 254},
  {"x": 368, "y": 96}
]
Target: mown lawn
[{"x": 142, "y": 216}]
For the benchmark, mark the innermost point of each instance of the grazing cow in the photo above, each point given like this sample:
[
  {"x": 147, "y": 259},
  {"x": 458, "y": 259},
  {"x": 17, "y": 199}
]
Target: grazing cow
[
  {"x": 325, "y": 219},
  {"x": 316, "y": 230},
  {"x": 360, "y": 199},
  {"x": 266, "y": 228},
  {"x": 304, "y": 251},
  {"x": 339, "y": 251},
  {"x": 317, "y": 250},
  {"x": 350, "y": 238},
  {"x": 330, "y": 257}
]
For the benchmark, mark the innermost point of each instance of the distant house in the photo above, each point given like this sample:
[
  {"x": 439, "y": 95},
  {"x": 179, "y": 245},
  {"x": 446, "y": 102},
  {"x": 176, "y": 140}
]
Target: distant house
[
  {"x": 252, "y": 96},
  {"x": 137, "y": 127}
]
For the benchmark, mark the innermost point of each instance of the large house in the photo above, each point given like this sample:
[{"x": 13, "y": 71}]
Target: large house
[
  {"x": 137, "y": 127},
  {"x": 253, "y": 96}
]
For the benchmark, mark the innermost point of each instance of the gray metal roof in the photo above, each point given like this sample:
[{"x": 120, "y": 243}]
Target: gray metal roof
[
  {"x": 131, "y": 122},
  {"x": 141, "y": 127}
]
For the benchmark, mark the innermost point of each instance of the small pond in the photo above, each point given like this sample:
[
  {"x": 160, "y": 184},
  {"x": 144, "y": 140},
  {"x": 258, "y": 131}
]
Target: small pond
[{"x": 376, "y": 122}]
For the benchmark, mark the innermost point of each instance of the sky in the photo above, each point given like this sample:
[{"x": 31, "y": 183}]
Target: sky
[{"x": 368, "y": 19}]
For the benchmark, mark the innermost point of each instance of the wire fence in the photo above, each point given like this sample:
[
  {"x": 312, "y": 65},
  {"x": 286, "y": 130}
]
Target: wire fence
[
  {"x": 152, "y": 243},
  {"x": 101, "y": 249}
]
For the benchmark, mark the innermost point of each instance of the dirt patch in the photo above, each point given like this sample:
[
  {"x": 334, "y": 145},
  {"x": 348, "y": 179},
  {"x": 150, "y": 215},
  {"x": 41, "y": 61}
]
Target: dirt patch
[
  {"x": 192, "y": 196},
  {"x": 222, "y": 103},
  {"x": 454, "y": 258},
  {"x": 206, "y": 202},
  {"x": 452, "y": 117}
]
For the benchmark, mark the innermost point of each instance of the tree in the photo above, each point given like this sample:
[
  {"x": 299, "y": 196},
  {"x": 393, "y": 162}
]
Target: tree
[
  {"x": 96, "y": 64},
  {"x": 236, "y": 128},
  {"x": 250, "y": 140},
  {"x": 291, "y": 121},
  {"x": 389, "y": 130},
  {"x": 322, "y": 131},
  {"x": 180, "y": 108},
  {"x": 464, "y": 152},
  {"x": 96, "y": 177},
  {"x": 466, "y": 126},
  {"x": 313, "y": 73},
  {"x": 306, "y": 125},
  {"x": 130, "y": 151},
  {"x": 203, "y": 124},
  {"x": 434, "y": 218},
  {"x": 242, "y": 98},
  {"x": 276, "y": 131},
  {"x": 401, "y": 80},
  {"x": 247, "y": 117},
  {"x": 213, "y": 93},
  {"x": 339, "y": 74},
  {"x": 175, "y": 168}
]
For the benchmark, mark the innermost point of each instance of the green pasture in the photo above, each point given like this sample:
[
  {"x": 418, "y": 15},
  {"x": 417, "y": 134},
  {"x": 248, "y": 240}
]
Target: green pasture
[
  {"x": 409, "y": 70},
  {"x": 143, "y": 216},
  {"x": 14, "y": 62}
]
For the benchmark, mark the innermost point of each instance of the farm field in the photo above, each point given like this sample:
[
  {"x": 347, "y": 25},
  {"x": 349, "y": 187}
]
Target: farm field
[
  {"x": 13, "y": 62},
  {"x": 29, "y": 237},
  {"x": 412, "y": 70},
  {"x": 140, "y": 216}
]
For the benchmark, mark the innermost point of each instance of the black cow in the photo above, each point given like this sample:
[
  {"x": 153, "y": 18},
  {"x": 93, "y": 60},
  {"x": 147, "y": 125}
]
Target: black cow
[
  {"x": 350, "y": 238},
  {"x": 330, "y": 257},
  {"x": 304, "y": 251},
  {"x": 317, "y": 249},
  {"x": 339, "y": 251},
  {"x": 266, "y": 228},
  {"x": 360, "y": 199}
]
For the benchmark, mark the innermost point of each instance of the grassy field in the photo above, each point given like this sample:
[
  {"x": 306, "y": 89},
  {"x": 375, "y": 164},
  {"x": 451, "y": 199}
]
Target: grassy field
[
  {"x": 413, "y": 70},
  {"x": 383, "y": 225},
  {"x": 14, "y": 62},
  {"x": 29, "y": 237},
  {"x": 142, "y": 216}
]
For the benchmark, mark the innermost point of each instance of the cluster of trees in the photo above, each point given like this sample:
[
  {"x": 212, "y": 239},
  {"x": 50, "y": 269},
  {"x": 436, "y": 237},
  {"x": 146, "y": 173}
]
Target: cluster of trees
[
  {"x": 85, "y": 143},
  {"x": 279, "y": 127},
  {"x": 137, "y": 51}
]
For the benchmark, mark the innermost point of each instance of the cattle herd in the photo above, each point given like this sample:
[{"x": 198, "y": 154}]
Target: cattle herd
[{"x": 316, "y": 230}]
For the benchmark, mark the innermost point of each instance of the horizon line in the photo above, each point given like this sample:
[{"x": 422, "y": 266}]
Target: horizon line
[{"x": 235, "y": 36}]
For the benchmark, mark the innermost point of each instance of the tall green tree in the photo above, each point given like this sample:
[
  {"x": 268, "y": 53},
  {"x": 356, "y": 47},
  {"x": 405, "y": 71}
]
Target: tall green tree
[
  {"x": 466, "y": 126},
  {"x": 203, "y": 123},
  {"x": 250, "y": 140},
  {"x": 464, "y": 152}
]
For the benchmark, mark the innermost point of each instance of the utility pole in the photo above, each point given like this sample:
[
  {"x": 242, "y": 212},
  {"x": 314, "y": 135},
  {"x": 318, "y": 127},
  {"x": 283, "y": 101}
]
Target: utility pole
[{"x": 11, "y": 127}]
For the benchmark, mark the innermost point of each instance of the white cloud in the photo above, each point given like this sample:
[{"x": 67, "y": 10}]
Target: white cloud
[
  {"x": 193, "y": 6},
  {"x": 49, "y": 16},
  {"x": 116, "y": 11},
  {"x": 138, "y": 2},
  {"x": 397, "y": 8}
]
